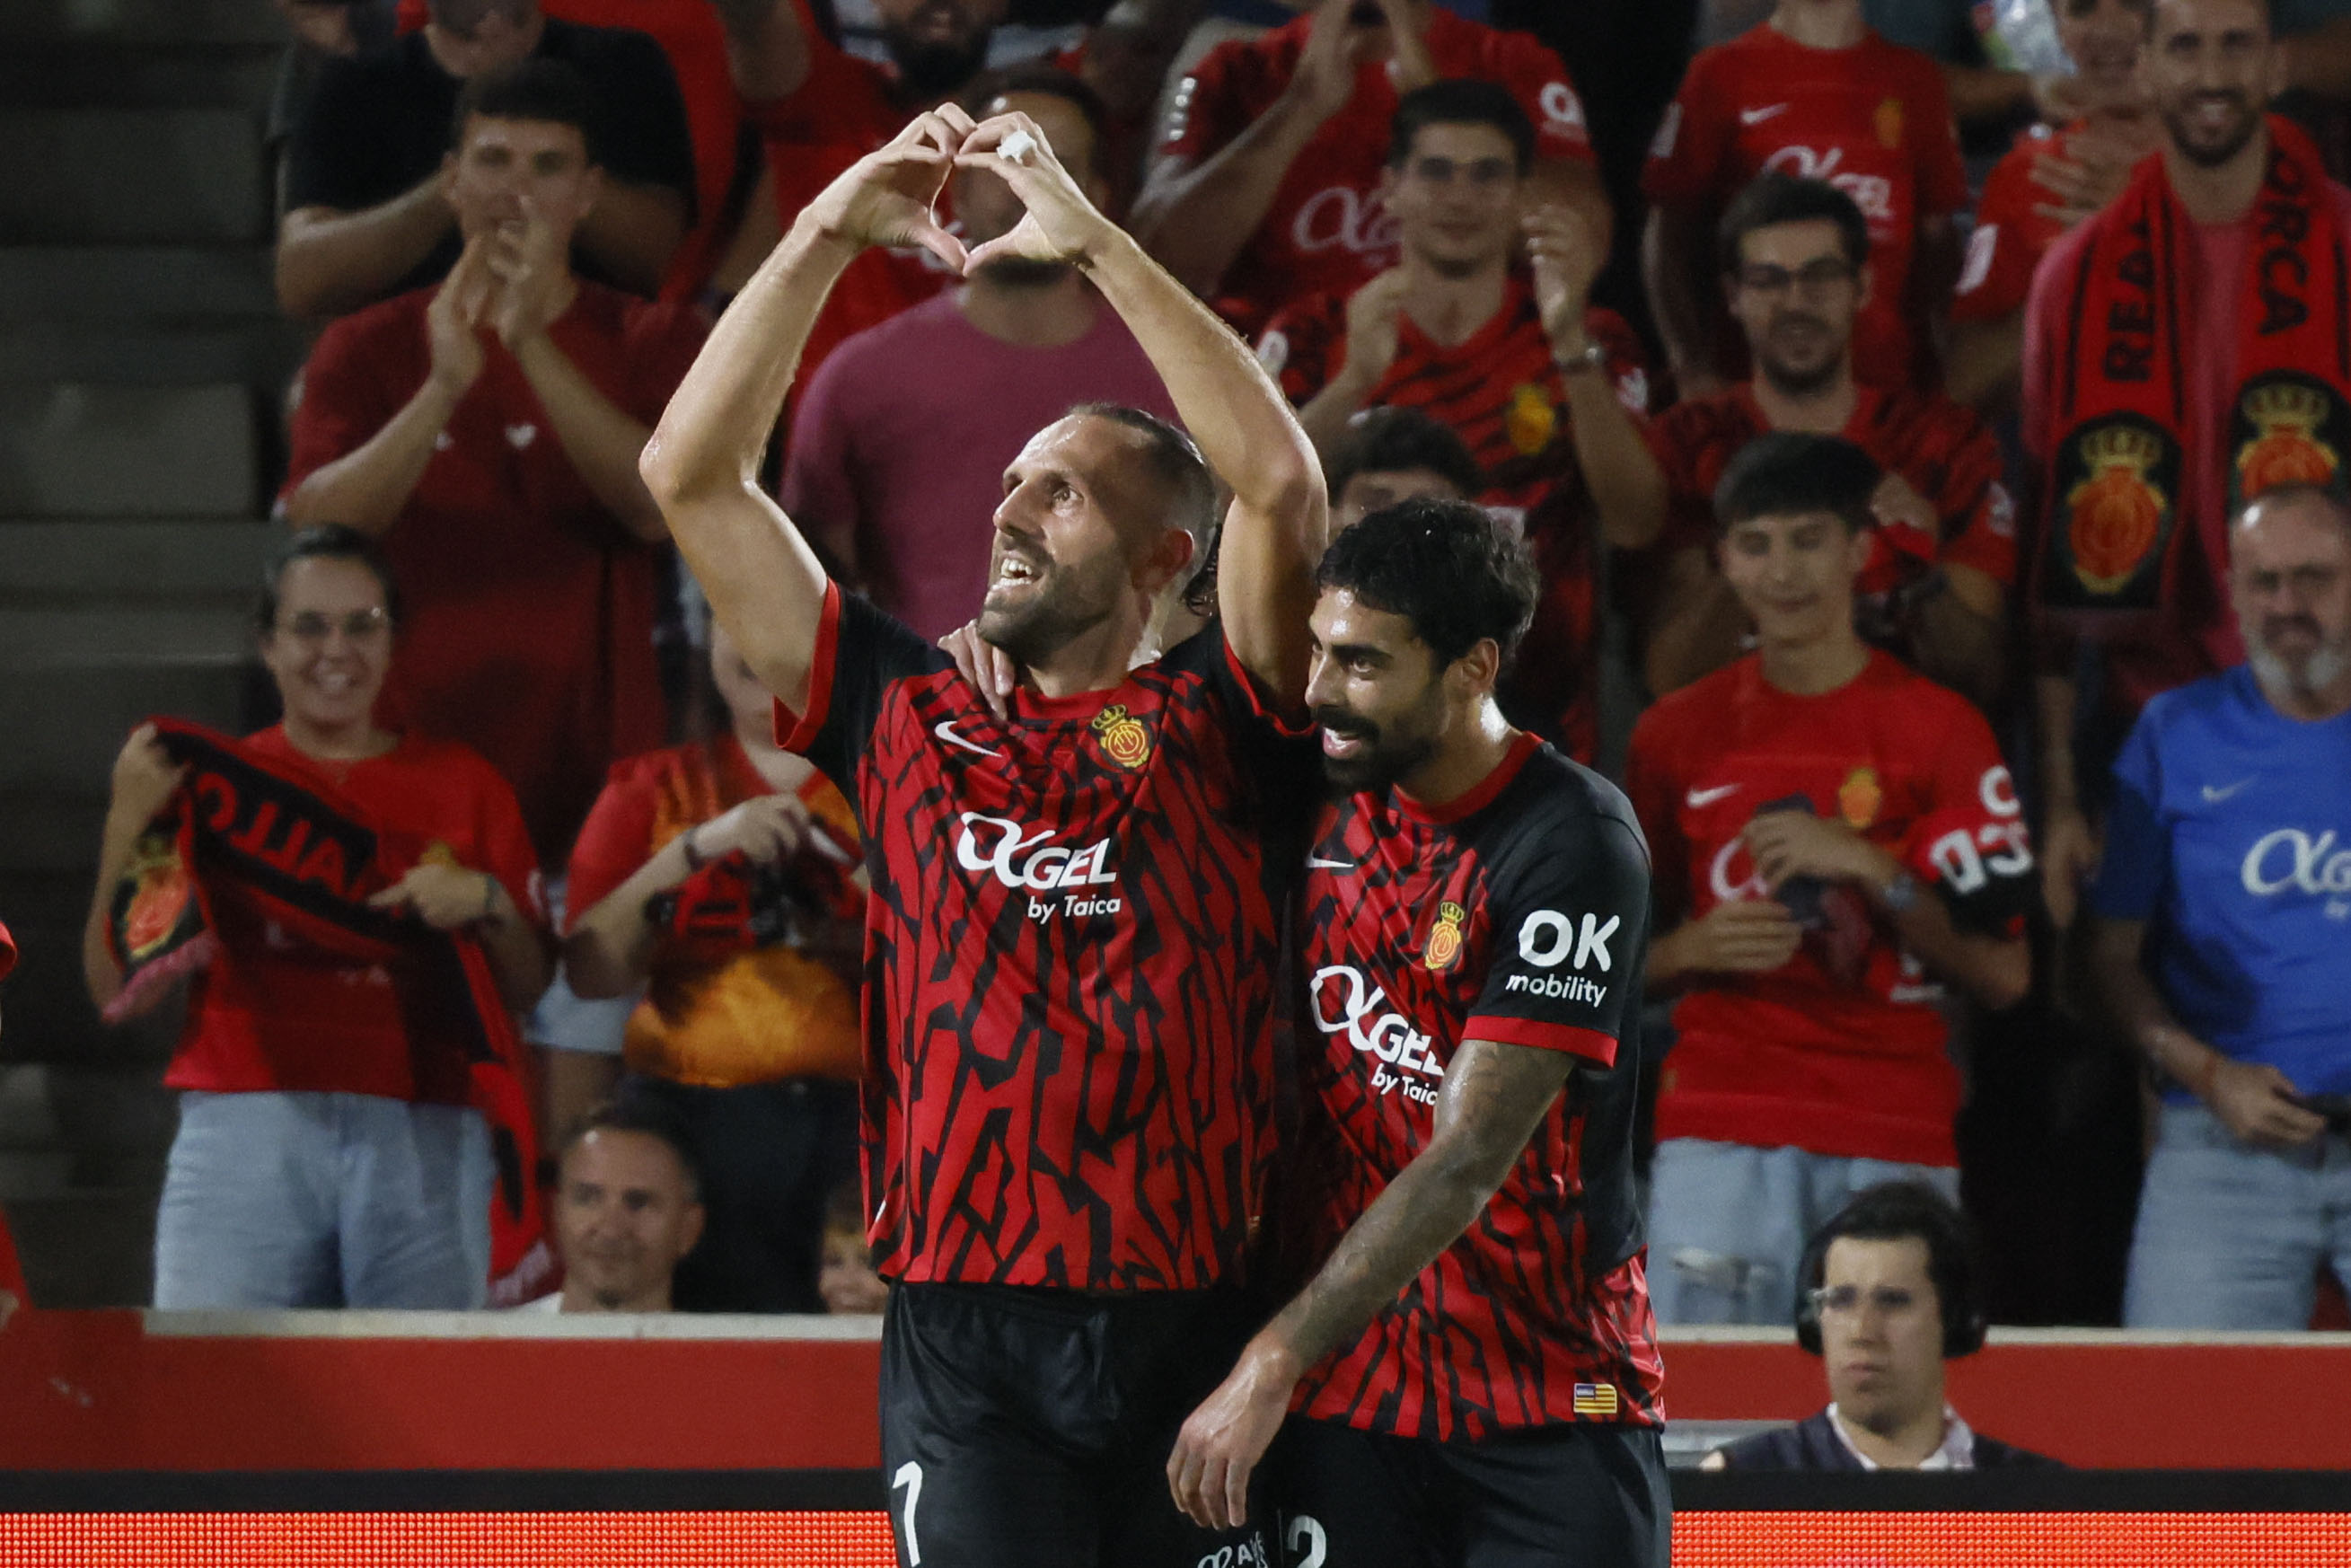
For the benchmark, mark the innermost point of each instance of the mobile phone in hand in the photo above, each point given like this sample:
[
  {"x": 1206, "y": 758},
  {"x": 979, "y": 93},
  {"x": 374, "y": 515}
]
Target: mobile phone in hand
[{"x": 1801, "y": 894}]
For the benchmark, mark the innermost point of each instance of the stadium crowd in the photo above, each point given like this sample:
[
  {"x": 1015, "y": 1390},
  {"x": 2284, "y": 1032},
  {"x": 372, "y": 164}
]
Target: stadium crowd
[{"x": 1953, "y": 568}]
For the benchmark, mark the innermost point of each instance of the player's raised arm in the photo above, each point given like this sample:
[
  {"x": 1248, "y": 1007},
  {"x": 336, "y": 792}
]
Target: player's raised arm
[
  {"x": 1274, "y": 532},
  {"x": 702, "y": 465}
]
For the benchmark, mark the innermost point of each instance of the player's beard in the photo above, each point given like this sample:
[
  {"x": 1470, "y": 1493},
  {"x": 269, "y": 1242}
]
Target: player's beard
[
  {"x": 1033, "y": 622},
  {"x": 1389, "y": 754},
  {"x": 2318, "y": 670},
  {"x": 2180, "y": 124}
]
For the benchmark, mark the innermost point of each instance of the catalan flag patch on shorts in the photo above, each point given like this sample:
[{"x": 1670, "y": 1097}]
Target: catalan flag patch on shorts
[{"x": 1596, "y": 1399}]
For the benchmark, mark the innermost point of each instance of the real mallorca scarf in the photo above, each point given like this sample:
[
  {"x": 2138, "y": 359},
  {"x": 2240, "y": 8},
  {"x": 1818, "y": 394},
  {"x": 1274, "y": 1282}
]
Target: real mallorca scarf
[
  {"x": 2123, "y": 475},
  {"x": 249, "y": 838}
]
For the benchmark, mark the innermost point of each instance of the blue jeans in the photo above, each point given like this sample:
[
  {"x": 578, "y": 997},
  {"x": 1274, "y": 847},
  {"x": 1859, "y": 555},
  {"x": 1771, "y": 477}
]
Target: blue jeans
[
  {"x": 2231, "y": 1236},
  {"x": 1727, "y": 1223},
  {"x": 324, "y": 1200}
]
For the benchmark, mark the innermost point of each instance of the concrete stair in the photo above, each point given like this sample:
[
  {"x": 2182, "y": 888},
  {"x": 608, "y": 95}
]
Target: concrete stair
[{"x": 142, "y": 361}]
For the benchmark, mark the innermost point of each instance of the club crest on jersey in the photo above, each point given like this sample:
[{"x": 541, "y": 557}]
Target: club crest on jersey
[
  {"x": 1889, "y": 123},
  {"x": 1444, "y": 936},
  {"x": 1859, "y": 797},
  {"x": 1123, "y": 736},
  {"x": 1531, "y": 419}
]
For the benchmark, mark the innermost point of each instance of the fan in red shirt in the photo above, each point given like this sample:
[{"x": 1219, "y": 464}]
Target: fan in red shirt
[
  {"x": 487, "y": 429},
  {"x": 1268, "y": 183},
  {"x": 327, "y": 1153},
  {"x": 1813, "y": 93},
  {"x": 2049, "y": 182},
  {"x": 1834, "y": 838},
  {"x": 1797, "y": 261},
  {"x": 1072, "y": 937},
  {"x": 1512, "y": 360}
]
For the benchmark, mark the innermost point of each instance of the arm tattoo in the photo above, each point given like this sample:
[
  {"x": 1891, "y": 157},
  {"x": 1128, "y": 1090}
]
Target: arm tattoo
[{"x": 1494, "y": 1098}]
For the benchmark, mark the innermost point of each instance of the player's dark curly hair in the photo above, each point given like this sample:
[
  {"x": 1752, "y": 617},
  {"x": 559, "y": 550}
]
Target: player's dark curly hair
[
  {"x": 552, "y": 90},
  {"x": 323, "y": 541},
  {"x": 1775, "y": 198},
  {"x": 1447, "y": 565},
  {"x": 1460, "y": 100},
  {"x": 1787, "y": 472}
]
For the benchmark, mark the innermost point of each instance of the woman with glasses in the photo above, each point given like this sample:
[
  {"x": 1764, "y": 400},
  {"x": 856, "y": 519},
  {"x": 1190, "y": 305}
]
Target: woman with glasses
[{"x": 325, "y": 1154}]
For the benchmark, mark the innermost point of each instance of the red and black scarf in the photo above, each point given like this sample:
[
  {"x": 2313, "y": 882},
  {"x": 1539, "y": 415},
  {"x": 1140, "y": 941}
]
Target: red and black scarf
[
  {"x": 247, "y": 845},
  {"x": 2124, "y": 486}
]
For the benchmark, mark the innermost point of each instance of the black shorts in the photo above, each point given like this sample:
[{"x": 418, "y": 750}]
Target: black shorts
[
  {"x": 1031, "y": 1427},
  {"x": 1581, "y": 1496}
]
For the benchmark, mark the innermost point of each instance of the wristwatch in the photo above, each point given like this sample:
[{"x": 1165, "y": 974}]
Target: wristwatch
[
  {"x": 1901, "y": 896},
  {"x": 1590, "y": 357}
]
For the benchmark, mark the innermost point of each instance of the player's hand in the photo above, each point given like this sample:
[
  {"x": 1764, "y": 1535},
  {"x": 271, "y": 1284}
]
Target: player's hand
[
  {"x": 1743, "y": 936},
  {"x": 1325, "y": 77},
  {"x": 1564, "y": 259},
  {"x": 2259, "y": 1104},
  {"x": 528, "y": 258},
  {"x": 767, "y": 829},
  {"x": 1223, "y": 1440},
  {"x": 1061, "y": 224},
  {"x": 445, "y": 897},
  {"x": 1908, "y": 540},
  {"x": 886, "y": 197},
  {"x": 989, "y": 669},
  {"x": 1788, "y": 845},
  {"x": 454, "y": 321},
  {"x": 2069, "y": 858},
  {"x": 145, "y": 777},
  {"x": 1375, "y": 327},
  {"x": 2091, "y": 172}
]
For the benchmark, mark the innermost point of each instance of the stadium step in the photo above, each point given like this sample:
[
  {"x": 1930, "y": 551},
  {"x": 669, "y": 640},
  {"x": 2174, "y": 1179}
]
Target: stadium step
[
  {"x": 95, "y": 451},
  {"x": 121, "y": 22},
  {"x": 157, "y": 286},
  {"x": 99, "y": 73},
  {"x": 132, "y": 176}
]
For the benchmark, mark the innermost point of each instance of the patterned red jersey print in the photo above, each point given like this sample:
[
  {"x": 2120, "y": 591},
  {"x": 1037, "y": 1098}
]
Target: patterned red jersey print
[
  {"x": 1517, "y": 916},
  {"x": 1945, "y": 451},
  {"x": 1840, "y": 1051},
  {"x": 1327, "y": 229},
  {"x": 1874, "y": 121},
  {"x": 1071, "y": 954}
]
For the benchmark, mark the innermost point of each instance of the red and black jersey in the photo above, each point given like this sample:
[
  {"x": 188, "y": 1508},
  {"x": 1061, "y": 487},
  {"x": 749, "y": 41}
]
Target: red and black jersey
[
  {"x": 1517, "y": 914},
  {"x": 1841, "y": 1049},
  {"x": 1945, "y": 451},
  {"x": 1072, "y": 948},
  {"x": 1499, "y": 389}
]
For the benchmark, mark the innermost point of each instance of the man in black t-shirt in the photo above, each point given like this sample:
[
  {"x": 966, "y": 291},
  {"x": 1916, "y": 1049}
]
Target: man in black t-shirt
[
  {"x": 364, "y": 217},
  {"x": 1073, "y": 928},
  {"x": 1471, "y": 1377}
]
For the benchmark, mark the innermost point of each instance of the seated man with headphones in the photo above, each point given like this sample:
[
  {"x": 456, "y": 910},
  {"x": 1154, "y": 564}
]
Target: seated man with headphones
[{"x": 1886, "y": 1298}]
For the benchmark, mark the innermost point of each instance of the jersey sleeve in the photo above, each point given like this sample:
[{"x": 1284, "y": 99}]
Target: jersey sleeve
[
  {"x": 860, "y": 652},
  {"x": 1627, "y": 361},
  {"x": 1971, "y": 843},
  {"x": 1538, "y": 78},
  {"x": 1978, "y": 515},
  {"x": 1299, "y": 343},
  {"x": 1211, "y": 105},
  {"x": 1571, "y": 922},
  {"x": 1278, "y": 752},
  {"x": 504, "y": 844},
  {"x": 612, "y": 841},
  {"x": 1690, "y": 142},
  {"x": 2135, "y": 863},
  {"x": 347, "y": 397},
  {"x": 1996, "y": 272}
]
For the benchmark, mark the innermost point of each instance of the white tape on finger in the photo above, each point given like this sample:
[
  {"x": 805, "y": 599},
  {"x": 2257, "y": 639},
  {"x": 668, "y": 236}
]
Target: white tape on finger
[{"x": 1016, "y": 147}]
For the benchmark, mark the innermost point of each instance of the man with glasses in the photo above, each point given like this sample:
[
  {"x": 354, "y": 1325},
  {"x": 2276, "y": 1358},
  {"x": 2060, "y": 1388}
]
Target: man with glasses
[
  {"x": 1888, "y": 1297},
  {"x": 1797, "y": 274}
]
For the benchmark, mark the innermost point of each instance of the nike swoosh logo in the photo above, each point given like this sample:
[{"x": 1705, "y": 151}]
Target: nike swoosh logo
[
  {"x": 945, "y": 731},
  {"x": 1316, "y": 862},
  {"x": 1708, "y": 796},
  {"x": 1758, "y": 116},
  {"x": 2214, "y": 797}
]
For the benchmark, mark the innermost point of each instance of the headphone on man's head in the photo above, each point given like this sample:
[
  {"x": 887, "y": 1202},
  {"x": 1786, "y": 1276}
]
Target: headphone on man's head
[{"x": 1892, "y": 1211}]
